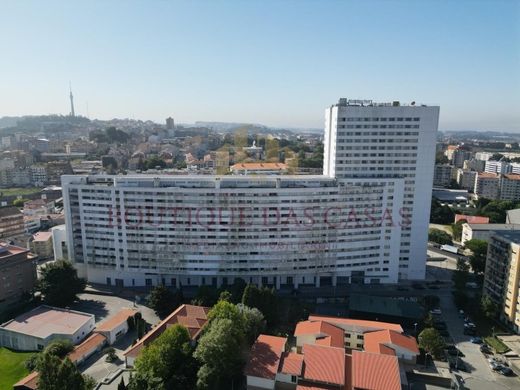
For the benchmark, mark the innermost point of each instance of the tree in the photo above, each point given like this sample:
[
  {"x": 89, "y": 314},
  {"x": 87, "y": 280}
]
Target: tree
[
  {"x": 456, "y": 228},
  {"x": 58, "y": 374},
  {"x": 478, "y": 257},
  {"x": 489, "y": 308},
  {"x": 163, "y": 301},
  {"x": 440, "y": 214},
  {"x": 19, "y": 202},
  {"x": 166, "y": 363},
  {"x": 111, "y": 354},
  {"x": 59, "y": 348},
  {"x": 220, "y": 353},
  {"x": 59, "y": 283},
  {"x": 461, "y": 275},
  {"x": 431, "y": 341},
  {"x": 254, "y": 322},
  {"x": 206, "y": 296},
  {"x": 440, "y": 158},
  {"x": 264, "y": 299},
  {"x": 439, "y": 236}
]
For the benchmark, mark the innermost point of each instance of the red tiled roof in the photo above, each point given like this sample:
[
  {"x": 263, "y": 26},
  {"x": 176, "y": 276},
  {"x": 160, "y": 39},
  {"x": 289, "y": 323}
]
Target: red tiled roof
[
  {"x": 93, "y": 342},
  {"x": 302, "y": 385},
  {"x": 292, "y": 364},
  {"x": 371, "y": 325},
  {"x": 28, "y": 382},
  {"x": 471, "y": 218},
  {"x": 324, "y": 364},
  {"x": 42, "y": 236},
  {"x": 388, "y": 338},
  {"x": 181, "y": 315},
  {"x": 375, "y": 371},
  {"x": 336, "y": 336},
  {"x": 116, "y": 320},
  {"x": 265, "y": 356}
]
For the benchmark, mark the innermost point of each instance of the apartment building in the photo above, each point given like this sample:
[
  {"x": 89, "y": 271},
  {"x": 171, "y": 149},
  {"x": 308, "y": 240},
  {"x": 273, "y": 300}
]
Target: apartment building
[
  {"x": 442, "y": 175},
  {"x": 502, "y": 276},
  {"x": 487, "y": 185},
  {"x": 510, "y": 187},
  {"x": 11, "y": 222},
  {"x": 500, "y": 167},
  {"x": 365, "y": 220},
  {"x": 466, "y": 179},
  {"x": 17, "y": 272},
  {"x": 459, "y": 156}
]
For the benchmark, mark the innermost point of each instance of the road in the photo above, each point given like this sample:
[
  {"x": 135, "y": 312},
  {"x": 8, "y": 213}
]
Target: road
[{"x": 480, "y": 375}]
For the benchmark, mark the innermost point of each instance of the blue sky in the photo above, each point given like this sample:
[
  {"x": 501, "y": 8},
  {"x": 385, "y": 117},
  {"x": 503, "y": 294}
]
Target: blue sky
[{"x": 278, "y": 63}]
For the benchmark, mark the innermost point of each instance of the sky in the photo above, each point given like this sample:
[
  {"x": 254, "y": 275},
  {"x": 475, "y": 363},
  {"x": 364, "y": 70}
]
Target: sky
[{"x": 279, "y": 63}]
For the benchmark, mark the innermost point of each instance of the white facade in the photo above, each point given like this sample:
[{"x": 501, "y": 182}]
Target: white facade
[
  {"x": 59, "y": 242},
  {"x": 365, "y": 220},
  {"x": 373, "y": 140}
]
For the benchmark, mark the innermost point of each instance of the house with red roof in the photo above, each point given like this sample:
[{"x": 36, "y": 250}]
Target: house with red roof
[
  {"x": 194, "y": 318},
  {"x": 322, "y": 358}
]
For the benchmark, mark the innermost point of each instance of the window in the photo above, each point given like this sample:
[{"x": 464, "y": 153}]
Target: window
[{"x": 360, "y": 337}]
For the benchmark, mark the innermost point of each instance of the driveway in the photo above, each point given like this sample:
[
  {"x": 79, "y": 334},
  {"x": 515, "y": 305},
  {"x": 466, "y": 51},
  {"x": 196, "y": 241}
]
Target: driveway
[{"x": 104, "y": 306}]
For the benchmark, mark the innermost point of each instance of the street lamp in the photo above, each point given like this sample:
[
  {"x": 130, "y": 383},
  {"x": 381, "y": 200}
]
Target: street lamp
[{"x": 415, "y": 328}]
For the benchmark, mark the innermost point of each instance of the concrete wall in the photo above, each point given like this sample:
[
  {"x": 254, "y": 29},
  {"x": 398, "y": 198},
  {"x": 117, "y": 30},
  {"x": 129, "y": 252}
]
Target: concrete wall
[{"x": 253, "y": 381}]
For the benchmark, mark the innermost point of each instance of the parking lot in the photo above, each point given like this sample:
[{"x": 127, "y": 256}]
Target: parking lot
[{"x": 479, "y": 374}]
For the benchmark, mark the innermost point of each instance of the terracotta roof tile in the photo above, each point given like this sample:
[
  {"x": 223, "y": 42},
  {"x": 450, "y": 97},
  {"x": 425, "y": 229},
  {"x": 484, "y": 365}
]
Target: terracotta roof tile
[
  {"x": 360, "y": 324},
  {"x": 116, "y": 320},
  {"x": 260, "y": 166},
  {"x": 198, "y": 312},
  {"x": 92, "y": 342},
  {"x": 336, "y": 336},
  {"x": 28, "y": 382},
  {"x": 264, "y": 359},
  {"x": 303, "y": 385},
  {"x": 389, "y": 338},
  {"x": 375, "y": 371},
  {"x": 471, "y": 218},
  {"x": 324, "y": 364},
  {"x": 292, "y": 364}
]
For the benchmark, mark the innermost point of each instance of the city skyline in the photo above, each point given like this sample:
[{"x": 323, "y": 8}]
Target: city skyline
[{"x": 274, "y": 63}]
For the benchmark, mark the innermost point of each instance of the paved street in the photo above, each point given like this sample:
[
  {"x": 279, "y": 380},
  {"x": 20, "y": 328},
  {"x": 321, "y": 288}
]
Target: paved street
[{"x": 480, "y": 375}]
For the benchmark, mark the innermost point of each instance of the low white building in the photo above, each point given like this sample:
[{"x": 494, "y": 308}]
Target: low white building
[
  {"x": 116, "y": 326},
  {"x": 483, "y": 231},
  {"x": 34, "y": 330}
]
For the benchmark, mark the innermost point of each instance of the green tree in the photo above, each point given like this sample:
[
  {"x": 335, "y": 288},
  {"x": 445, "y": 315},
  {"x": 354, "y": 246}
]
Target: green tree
[
  {"x": 19, "y": 202},
  {"x": 440, "y": 158},
  {"x": 439, "y": 236},
  {"x": 206, "y": 296},
  {"x": 220, "y": 353},
  {"x": 264, "y": 299},
  {"x": 59, "y": 348},
  {"x": 166, "y": 363},
  {"x": 478, "y": 257},
  {"x": 456, "y": 228},
  {"x": 163, "y": 301},
  {"x": 431, "y": 341},
  {"x": 461, "y": 274},
  {"x": 489, "y": 308},
  {"x": 440, "y": 214},
  {"x": 59, "y": 283},
  {"x": 254, "y": 322},
  {"x": 59, "y": 374}
]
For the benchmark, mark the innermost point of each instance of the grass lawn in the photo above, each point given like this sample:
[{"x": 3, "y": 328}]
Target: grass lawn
[
  {"x": 11, "y": 367},
  {"x": 19, "y": 191},
  {"x": 498, "y": 345}
]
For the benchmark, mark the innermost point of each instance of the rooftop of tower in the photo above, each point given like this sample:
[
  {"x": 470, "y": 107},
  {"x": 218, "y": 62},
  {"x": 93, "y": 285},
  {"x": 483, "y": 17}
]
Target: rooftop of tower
[{"x": 344, "y": 102}]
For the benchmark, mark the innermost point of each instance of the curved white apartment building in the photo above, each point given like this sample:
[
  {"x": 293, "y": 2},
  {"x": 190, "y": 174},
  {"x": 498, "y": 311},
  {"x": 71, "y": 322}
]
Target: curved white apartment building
[{"x": 365, "y": 220}]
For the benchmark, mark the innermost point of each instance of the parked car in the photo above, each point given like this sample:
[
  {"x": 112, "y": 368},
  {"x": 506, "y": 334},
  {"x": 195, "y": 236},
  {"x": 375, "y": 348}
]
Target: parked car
[
  {"x": 476, "y": 340},
  {"x": 436, "y": 311},
  {"x": 495, "y": 366},
  {"x": 484, "y": 348},
  {"x": 506, "y": 371}
]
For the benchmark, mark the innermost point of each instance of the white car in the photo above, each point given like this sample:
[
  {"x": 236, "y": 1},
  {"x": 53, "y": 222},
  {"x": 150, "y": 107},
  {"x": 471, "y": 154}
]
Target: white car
[{"x": 436, "y": 311}]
